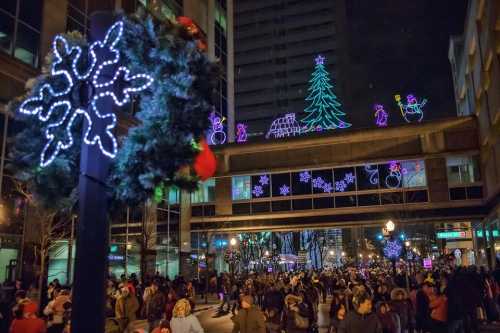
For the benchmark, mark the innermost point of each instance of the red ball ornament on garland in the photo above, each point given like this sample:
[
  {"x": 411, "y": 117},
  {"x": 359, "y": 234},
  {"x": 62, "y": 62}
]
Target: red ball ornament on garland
[{"x": 205, "y": 163}]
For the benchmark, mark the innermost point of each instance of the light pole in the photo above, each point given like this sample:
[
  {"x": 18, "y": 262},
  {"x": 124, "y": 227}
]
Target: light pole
[{"x": 387, "y": 231}]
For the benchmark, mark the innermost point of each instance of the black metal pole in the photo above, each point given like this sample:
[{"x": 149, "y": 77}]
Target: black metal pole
[{"x": 92, "y": 238}]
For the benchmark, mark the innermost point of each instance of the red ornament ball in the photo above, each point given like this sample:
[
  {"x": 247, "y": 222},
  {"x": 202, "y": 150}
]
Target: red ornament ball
[{"x": 205, "y": 163}]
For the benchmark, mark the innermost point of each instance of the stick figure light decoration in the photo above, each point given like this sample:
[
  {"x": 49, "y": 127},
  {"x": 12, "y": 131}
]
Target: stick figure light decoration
[
  {"x": 412, "y": 111},
  {"x": 217, "y": 134},
  {"x": 57, "y": 108},
  {"x": 381, "y": 115},
  {"x": 241, "y": 133}
]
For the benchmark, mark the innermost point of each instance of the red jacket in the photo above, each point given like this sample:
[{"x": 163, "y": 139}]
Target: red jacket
[
  {"x": 28, "y": 325},
  {"x": 439, "y": 308}
]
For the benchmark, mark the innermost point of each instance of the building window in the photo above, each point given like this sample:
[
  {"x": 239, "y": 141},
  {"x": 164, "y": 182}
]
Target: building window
[
  {"x": 79, "y": 12},
  {"x": 163, "y": 9},
  {"x": 462, "y": 170},
  {"x": 20, "y": 25},
  {"x": 173, "y": 196},
  {"x": 414, "y": 173},
  {"x": 205, "y": 192},
  {"x": 241, "y": 188}
]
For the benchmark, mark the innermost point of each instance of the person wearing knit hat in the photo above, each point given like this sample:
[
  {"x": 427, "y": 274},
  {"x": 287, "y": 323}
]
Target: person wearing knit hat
[
  {"x": 249, "y": 319},
  {"x": 183, "y": 320}
]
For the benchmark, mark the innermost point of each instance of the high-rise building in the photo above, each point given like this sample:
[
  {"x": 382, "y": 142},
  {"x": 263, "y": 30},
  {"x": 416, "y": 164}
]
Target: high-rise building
[
  {"x": 275, "y": 46},
  {"x": 475, "y": 65}
]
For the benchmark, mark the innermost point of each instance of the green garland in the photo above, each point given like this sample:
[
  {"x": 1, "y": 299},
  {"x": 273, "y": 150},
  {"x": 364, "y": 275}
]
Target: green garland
[{"x": 171, "y": 115}]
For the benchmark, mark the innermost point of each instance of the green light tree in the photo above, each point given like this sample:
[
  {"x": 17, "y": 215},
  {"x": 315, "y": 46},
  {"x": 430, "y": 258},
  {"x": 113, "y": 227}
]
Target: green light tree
[{"x": 324, "y": 112}]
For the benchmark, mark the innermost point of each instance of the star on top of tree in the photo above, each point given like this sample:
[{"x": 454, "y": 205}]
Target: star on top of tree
[{"x": 320, "y": 60}]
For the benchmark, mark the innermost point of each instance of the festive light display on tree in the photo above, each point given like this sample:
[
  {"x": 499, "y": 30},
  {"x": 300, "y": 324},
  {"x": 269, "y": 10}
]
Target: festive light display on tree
[
  {"x": 372, "y": 171},
  {"x": 284, "y": 127},
  {"x": 305, "y": 177},
  {"x": 241, "y": 133},
  {"x": 60, "y": 108},
  {"x": 217, "y": 134},
  {"x": 381, "y": 116},
  {"x": 285, "y": 190},
  {"x": 411, "y": 111},
  {"x": 392, "y": 249},
  {"x": 324, "y": 112}
]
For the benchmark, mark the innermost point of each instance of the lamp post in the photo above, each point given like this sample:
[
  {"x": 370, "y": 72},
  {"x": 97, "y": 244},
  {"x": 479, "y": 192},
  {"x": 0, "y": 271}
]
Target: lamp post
[{"x": 387, "y": 231}]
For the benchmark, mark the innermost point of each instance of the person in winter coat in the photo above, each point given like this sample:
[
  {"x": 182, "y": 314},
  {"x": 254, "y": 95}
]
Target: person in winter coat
[
  {"x": 55, "y": 311},
  {"x": 389, "y": 320},
  {"x": 249, "y": 319},
  {"x": 26, "y": 321},
  {"x": 296, "y": 315},
  {"x": 401, "y": 305},
  {"x": 362, "y": 319},
  {"x": 154, "y": 305},
  {"x": 337, "y": 315},
  {"x": 170, "y": 304},
  {"x": 126, "y": 308},
  {"x": 438, "y": 304},
  {"x": 183, "y": 321}
]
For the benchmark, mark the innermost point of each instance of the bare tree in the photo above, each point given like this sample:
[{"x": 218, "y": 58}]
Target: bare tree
[{"x": 49, "y": 226}]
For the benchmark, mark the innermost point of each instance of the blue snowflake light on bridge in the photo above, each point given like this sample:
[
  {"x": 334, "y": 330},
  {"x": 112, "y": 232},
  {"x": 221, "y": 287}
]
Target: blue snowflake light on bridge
[
  {"x": 305, "y": 177},
  {"x": 318, "y": 182},
  {"x": 349, "y": 178},
  {"x": 81, "y": 68},
  {"x": 327, "y": 187},
  {"x": 392, "y": 249},
  {"x": 340, "y": 186},
  {"x": 284, "y": 190},
  {"x": 264, "y": 180},
  {"x": 257, "y": 191}
]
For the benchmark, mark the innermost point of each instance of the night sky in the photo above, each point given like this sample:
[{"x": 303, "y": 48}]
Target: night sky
[{"x": 398, "y": 47}]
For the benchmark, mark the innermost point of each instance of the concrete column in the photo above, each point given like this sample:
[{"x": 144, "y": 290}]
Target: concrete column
[
  {"x": 185, "y": 268},
  {"x": 230, "y": 72},
  {"x": 54, "y": 22},
  {"x": 211, "y": 30},
  {"x": 150, "y": 237},
  {"x": 223, "y": 202}
]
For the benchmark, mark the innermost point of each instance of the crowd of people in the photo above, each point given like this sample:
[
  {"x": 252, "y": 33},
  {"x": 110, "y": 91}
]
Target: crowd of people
[{"x": 359, "y": 300}]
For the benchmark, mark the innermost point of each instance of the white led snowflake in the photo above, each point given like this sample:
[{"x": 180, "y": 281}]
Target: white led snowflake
[
  {"x": 349, "y": 178},
  {"x": 257, "y": 191},
  {"x": 60, "y": 108},
  {"x": 340, "y": 186},
  {"x": 327, "y": 187},
  {"x": 284, "y": 190},
  {"x": 264, "y": 180},
  {"x": 305, "y": 177},
  {"x": 318, "y": 182}
]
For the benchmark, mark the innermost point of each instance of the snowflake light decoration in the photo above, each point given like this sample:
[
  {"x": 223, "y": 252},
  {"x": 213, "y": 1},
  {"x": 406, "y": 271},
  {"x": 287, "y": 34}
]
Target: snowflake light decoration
[
  {"x": 59, "y": 108},
  {"x": 284, "y": 190},
  {"x": 318, "y": 182},
  {"x": 305, "y": 177},
  {"x": 264, "y": 180},
  {"x": 327, "y": 187},
  {"x": 340, "y": 186},
  {"x": 257, "y": 191},
  {"x": 349, "y": 178},
  {"x": 392, "y": 249}
]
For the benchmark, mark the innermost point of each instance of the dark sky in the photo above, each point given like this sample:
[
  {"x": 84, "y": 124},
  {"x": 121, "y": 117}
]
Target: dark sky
[{"x": 399, "y": 47}]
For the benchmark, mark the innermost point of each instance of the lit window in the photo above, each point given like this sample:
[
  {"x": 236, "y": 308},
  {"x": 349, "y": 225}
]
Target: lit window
[
  {"x": 205, "y": 192},
  {"x": 413, "y": 173},
  {"x": 462, "y": 170},
  {"x": 241, "y": 188},
  {"x": 173, "y": 195}
]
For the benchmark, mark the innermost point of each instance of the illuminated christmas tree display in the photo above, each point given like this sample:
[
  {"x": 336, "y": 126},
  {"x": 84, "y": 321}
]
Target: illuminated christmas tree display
[{"x": 325, "y": 111}]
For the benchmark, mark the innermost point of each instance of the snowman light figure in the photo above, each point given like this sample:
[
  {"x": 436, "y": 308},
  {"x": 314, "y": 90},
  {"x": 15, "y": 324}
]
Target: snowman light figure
[
  {"x": 412, "y": 111},
  {"x": 217, "y": 135}
]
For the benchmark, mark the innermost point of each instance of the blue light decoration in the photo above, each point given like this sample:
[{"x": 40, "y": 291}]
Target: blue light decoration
[
  {"x": 59, "y": 109},
  {"x": 318, "y": 182},
  {"x": 285, "y": 190},
  {"x": 327, "y": 187},
  {"x": 381, "y": 116},
  {"x": 324, "y": 112},
  {"x": 380, "y": 237},
  {"x": 257, "y": 191},
  {"x": 241, "y": 133},
  {"x": 284, "y": 127},
  {"x": 372, "y": 171},
  {"x": 402, "y": 236},
  {"x": 264, "y": 180},
  {"x": 341, "y": 185},
  {"x": 392, "y": 249},
  {"x": 217, "y": 134},
  {"x": 305, "y": 177},
  {"x": 411, "y": 111}
]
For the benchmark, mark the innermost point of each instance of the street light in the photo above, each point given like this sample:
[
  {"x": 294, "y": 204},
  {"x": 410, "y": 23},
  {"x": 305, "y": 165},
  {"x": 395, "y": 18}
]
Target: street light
[
  {"x": 343, "y": 254},
  {"x": 407, "y": 243},
  {"x": 332, "y": 252},
  {"x": 233, "y": 241},
  {"x": 361, "y": 255},
  {"x": 390, "y": 226},
  {"x": 266, "y": 253}
]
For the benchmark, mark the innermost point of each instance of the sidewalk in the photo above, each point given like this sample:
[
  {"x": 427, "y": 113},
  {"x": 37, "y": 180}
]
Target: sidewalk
[{"x": 213, "y": 302}]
